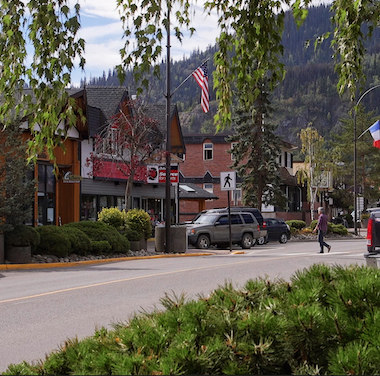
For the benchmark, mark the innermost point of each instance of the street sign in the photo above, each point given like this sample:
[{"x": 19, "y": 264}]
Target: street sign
[{"x": 228, "y": 181}]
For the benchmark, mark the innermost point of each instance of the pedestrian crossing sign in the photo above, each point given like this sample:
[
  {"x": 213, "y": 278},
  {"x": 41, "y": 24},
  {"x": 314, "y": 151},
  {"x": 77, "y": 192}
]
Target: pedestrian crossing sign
[{"x": 228, "y": 181}]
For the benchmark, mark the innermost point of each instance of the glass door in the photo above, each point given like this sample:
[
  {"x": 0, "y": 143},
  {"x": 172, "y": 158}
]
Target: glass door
[{"x": 46, "y": 195}]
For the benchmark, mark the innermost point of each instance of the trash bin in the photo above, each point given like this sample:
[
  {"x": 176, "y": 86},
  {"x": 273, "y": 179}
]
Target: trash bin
[{"x": 178, "y": 237}]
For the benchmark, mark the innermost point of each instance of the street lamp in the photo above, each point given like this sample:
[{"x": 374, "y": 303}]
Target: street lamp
[{"x": 355, "y": 140}]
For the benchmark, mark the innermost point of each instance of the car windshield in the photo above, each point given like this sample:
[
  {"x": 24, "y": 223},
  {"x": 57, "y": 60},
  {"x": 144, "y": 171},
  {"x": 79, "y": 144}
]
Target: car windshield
[{"x": 206, "y": 219}]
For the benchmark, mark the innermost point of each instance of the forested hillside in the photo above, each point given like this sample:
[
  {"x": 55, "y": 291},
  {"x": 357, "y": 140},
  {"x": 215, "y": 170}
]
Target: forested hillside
[{"x": 308, "y": 94}]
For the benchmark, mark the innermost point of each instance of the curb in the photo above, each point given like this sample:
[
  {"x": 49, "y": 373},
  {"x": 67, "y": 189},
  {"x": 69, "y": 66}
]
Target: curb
[{"x": 51, "y": 265}]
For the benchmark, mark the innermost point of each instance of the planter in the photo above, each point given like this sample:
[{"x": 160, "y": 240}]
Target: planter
[
  {"x": 135, "y": 245},
  {"x": 143, "y": 244},
  {"x": 2, "y": 259},
  {"x": 178, "y": 239},
  {"x": 18, "y": 255},
  {"x": 364, "y": 223}
]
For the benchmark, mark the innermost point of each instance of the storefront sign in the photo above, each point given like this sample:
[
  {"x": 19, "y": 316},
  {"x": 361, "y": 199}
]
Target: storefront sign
[{"x": 69, "y": 177}]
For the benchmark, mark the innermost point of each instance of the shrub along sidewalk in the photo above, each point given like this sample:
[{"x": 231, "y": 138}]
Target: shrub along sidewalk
[{"x": 325, "y": 321}]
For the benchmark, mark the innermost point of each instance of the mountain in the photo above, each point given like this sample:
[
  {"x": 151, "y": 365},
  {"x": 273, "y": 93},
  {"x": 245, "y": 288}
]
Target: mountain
[{"x": 308, "y": 95}]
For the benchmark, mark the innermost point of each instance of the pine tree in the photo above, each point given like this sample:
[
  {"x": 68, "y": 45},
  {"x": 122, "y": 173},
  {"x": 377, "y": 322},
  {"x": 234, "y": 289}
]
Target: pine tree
[
  {"x": 17, "y": 185},
  {"x": 256, "y": 152}
]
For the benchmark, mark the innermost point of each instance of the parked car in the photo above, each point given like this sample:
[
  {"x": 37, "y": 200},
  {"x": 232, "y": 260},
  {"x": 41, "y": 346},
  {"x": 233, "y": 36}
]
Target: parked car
[
  {"x": 212, "y": 227},
  {"x": 263, "y": 238},
  {"x": 373, "y": 232},
  {"x": 277, "y": 230}
]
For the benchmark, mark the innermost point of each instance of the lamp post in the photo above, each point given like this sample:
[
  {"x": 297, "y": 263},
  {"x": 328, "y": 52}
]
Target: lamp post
[{"x": 355, "y": 140}]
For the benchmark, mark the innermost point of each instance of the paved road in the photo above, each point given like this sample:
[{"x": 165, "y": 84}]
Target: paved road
[{"x": 39, "y": 309}]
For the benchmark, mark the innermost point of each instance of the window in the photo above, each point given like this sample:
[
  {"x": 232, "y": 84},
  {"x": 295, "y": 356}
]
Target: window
[
  {"x": 111, "y": 144},
  {"x": 209, "y": 187},
  {"x": 208, "y": 151},
  {"x": 248, "y": 218}
]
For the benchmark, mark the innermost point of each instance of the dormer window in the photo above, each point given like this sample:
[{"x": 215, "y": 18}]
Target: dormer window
[{"x": 208, "y": 151}]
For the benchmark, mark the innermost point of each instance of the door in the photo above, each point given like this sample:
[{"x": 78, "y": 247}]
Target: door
[{"x": 46, "y": 195}]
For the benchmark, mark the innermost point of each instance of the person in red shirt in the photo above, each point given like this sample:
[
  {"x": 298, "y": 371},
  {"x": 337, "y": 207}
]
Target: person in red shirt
[{"x": 322, "y": 229}]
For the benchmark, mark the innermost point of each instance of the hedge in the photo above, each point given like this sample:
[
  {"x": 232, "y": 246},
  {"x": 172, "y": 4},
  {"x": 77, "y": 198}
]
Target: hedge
[
  {"x": 101, "y": 231},
  {"x": 54, "y": 241},
  {"x": 297, "y": 224},
  {"x": 324, "y": 321},
  {"x": 80, "y": 243}
]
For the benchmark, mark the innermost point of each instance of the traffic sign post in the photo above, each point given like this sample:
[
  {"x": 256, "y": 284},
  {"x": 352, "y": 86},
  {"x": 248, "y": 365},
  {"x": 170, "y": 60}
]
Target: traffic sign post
[{"x": 228, "y": 183}]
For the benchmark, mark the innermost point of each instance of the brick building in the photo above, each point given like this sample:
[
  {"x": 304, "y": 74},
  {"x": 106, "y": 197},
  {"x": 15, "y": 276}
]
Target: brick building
[{"x": 208, "y": 155}]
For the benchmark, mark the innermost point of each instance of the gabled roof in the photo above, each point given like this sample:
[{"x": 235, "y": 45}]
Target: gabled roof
[{"x": 102, "y": 102}]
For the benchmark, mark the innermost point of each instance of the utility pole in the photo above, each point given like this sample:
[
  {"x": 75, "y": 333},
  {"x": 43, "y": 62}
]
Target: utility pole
[{"x": 168, "y": 140}]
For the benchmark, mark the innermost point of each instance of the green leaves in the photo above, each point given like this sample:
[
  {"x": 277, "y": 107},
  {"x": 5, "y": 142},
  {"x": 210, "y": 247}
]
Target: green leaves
[{"x": 50, "y": 27}]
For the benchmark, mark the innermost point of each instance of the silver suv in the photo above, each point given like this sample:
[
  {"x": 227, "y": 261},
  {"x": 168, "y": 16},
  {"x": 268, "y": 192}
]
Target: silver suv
[{"x": 213, "y": 228}]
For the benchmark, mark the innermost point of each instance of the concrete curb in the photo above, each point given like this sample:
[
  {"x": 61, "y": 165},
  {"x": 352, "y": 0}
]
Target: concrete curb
[{"x": 8, "y": 267}]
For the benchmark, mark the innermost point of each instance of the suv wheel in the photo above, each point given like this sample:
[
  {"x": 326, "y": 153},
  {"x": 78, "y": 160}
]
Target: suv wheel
[
  {"x": 203, "y": 242},
  {"x": 283, "y": 238},
  {"x": 247, "y": 241},
  {"x": 261, "y": 240}
]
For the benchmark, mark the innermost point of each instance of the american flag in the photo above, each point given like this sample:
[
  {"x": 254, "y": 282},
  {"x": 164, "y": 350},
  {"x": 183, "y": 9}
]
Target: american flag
[{"x": 201, "y": 76}]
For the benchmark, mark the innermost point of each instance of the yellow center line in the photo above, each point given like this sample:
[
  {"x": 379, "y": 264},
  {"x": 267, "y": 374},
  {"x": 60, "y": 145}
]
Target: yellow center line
[
  {"x": 130, "y": 279},
  {"x": 246, "y": 260}
]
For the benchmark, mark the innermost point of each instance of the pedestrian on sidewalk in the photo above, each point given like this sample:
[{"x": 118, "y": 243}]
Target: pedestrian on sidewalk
[{"x": 322, "y": 229}]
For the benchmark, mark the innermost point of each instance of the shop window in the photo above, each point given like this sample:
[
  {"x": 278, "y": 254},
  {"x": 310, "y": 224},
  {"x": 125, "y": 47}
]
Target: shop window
[
  {"x": 46, "y": 194},
  {"x": 88, "y": 208}
]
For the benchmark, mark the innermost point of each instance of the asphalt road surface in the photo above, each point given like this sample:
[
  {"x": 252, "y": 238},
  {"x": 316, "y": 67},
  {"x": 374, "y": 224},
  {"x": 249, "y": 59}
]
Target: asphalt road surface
[{"x": 40, "y": 309}]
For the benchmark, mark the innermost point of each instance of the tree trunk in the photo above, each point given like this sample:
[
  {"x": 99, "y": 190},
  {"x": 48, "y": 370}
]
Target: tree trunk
[{"x": 128, "y": 190}]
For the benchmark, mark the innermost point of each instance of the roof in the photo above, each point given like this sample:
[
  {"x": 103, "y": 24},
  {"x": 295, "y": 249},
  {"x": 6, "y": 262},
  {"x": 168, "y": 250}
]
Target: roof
[
  {"x": 287, "y": 178},
  {"x": 102, "y": 102},
  {"x": 189, "y": 191}
]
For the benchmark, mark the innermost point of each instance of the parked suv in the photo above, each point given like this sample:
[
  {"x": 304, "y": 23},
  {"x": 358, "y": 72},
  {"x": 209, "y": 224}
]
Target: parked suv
[
  {"x": 212, "y": 227},
  {"x": 263, "y": 238},
  {"x": 373, "y": 232}
]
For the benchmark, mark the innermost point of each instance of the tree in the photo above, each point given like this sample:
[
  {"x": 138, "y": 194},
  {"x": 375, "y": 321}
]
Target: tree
[
  {"x": 368, "y": 157},
  {"x": 38, "y": 47},
  {"x": 17, "y": 185},
  {"x": 128, "y": 140},
  {"x": 250, "y": 33},
  {"x": 255, "y": 153},
  {"x": 316, "y": 164}
]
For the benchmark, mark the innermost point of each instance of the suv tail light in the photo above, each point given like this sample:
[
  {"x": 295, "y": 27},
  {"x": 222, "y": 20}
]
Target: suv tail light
[
  {"x": 369, "y": 232},
  {"x": 258, "y": 227},
  {"x": 264, "y": 225}
]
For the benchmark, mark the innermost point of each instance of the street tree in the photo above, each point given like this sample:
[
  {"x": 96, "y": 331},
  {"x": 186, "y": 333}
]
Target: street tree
[
  {"x": 17, "y": 184},
  {"x": 317, "y": 165},
  {"x": 255, "y": 153},
  {"x": 368, "y": 157},
  {"x": 38, "y": 46},
  {"x": 250, "y": 33},
  {"x": 128, "y": 140}
]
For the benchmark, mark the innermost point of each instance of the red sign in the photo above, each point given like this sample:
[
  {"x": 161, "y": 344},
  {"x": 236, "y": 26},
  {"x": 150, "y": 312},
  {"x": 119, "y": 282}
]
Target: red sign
[
  {"x": 173, "y": 174},
  {"x": 117, "y": 170}
]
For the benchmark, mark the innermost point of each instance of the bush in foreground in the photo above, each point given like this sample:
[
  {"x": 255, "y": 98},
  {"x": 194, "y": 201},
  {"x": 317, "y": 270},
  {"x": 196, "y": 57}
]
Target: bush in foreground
[
  {"x": 80, "y": 243},
  {"x": 324, "y": 322}
]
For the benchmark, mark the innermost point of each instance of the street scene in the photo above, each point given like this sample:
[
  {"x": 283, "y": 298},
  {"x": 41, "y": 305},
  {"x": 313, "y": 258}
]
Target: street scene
[
  {"x": 58, "y": 304},
  {"x": 189, "y": 187}
]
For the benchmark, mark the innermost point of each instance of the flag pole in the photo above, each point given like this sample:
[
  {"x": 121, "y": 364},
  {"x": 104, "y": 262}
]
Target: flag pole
[
  {"x": 365, "y": 131},
  {"x": 188, "y": 77}
]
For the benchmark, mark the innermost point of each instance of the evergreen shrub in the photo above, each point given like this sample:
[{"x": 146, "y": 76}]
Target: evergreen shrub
[
  {"x": 329, "y": 225},
  {"x": 339, "y": 229},
  {"x": 79, "y": 241},
  {"x": 324, "y": 321},
  {"x": 100, "y": 247},
  {"x": 297, "y": 224},
  {"x": 54, "y": 241},
  {"x": 21, "y": 236},
  {"x": 113, "y": 217},
  {"x": 133, "y": 235},
  {"x": 139, "y": 220},
  {"x": 101, "y": 231}
]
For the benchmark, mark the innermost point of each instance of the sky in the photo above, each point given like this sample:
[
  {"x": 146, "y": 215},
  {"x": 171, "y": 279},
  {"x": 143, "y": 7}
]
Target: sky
[{"x": 102, "y": 31}]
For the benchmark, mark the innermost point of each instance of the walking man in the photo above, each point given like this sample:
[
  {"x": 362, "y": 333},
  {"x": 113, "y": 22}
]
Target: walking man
[{"x": 322, "y": 229}]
